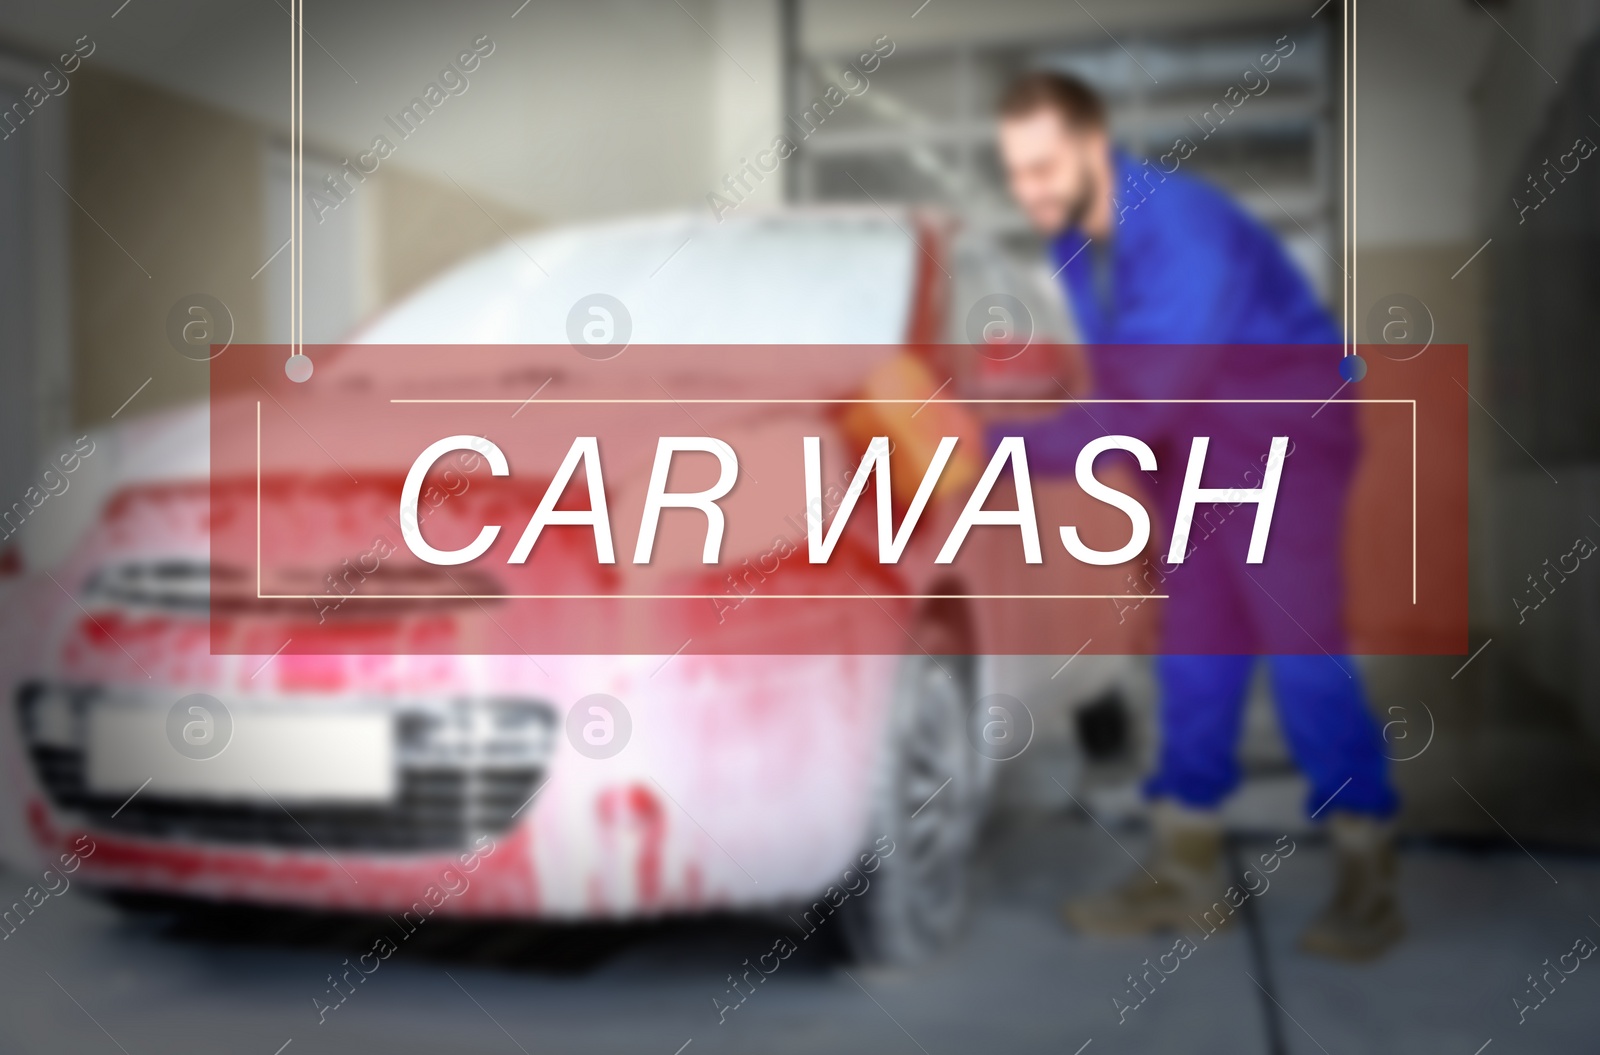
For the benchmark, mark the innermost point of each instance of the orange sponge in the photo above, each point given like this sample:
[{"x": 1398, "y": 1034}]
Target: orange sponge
[{"x": 911, "y": 407}]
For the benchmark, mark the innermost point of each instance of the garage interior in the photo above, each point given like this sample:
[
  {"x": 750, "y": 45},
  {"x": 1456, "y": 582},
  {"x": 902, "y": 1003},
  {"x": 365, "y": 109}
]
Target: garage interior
[{"x": 161, "y": 172}]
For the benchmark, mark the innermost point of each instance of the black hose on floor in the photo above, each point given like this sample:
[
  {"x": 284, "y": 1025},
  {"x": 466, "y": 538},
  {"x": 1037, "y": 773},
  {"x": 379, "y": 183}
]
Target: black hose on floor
[{"x": 1271, "y": 1010}]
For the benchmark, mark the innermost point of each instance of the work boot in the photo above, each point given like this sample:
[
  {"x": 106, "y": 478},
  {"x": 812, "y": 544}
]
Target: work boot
[
  {"x": 1182, "y": 880},
  {"x": 1363, "y": 918}
]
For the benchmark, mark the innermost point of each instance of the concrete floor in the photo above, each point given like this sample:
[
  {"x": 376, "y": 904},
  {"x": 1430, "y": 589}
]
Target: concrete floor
[{"x": 80, "y": 976}]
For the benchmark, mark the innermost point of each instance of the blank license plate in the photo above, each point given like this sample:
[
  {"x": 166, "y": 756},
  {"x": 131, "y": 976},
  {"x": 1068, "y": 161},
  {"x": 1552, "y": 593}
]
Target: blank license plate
[{"x": 285, "y": 753}]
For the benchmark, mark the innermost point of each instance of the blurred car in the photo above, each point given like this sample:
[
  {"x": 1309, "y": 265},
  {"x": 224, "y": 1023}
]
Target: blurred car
[{"x": 424, "y": 783}]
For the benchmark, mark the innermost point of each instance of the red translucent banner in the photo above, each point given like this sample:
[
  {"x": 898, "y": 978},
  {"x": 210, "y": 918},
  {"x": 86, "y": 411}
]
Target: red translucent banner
[{"x": 661, "y": 499}]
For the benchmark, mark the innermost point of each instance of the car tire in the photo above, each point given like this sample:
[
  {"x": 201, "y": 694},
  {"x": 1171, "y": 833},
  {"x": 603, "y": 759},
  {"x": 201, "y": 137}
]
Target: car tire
[{"x": 926, "y": 814}]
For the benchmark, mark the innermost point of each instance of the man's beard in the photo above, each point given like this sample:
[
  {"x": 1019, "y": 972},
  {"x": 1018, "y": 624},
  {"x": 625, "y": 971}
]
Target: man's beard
[{"x": 1077, "y": 209}]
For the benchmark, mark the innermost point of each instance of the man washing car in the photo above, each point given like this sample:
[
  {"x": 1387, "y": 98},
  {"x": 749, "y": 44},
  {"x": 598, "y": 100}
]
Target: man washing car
[{"x": 1151, "y": 258}]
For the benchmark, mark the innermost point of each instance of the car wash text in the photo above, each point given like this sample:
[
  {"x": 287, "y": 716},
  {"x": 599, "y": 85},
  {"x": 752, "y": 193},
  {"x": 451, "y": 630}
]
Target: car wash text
[{"x": 892, "y": 542}]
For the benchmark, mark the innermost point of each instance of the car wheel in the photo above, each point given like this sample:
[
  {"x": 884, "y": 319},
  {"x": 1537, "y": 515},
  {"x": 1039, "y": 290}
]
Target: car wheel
[{"x": 926, "y": 807}]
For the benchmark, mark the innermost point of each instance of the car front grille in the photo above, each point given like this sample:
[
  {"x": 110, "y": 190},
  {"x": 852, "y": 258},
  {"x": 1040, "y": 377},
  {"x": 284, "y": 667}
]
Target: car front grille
[
  {"x": 465, "y": 768},
  {"x": 184, "y": 587},
  {"x": 174, "y": 585}
]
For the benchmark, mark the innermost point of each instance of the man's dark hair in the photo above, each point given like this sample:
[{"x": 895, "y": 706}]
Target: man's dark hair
[{"x": 1077, "y": 104}]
